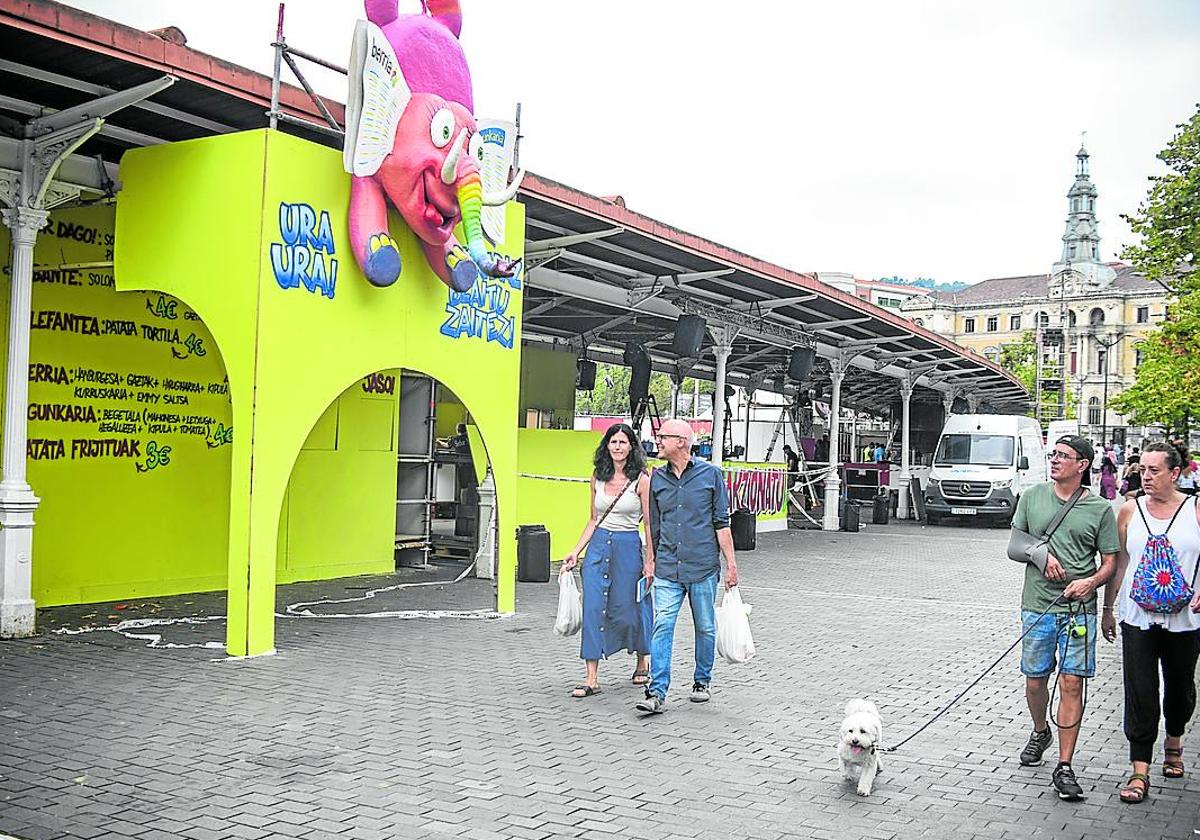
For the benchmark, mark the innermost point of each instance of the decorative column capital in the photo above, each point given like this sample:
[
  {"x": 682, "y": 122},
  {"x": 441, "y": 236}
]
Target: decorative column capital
[
  {"x": 906, "y": 389},
  {"x": 24, "y": 222}
]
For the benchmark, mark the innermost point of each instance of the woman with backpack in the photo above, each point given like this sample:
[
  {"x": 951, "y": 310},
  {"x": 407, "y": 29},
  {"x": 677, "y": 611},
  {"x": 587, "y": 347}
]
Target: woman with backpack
[{"x": 1159, "y": 613}]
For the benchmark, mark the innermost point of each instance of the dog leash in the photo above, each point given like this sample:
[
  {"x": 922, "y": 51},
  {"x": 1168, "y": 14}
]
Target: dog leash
[{"x": 987, "y": 671}]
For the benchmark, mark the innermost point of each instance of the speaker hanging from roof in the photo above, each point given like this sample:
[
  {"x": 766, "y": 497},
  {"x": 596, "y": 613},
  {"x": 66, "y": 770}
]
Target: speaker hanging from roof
[
  {"x": 801, "y": 362},
  {"x": 689, "y": 336},
  {"x": 585, "y": 375},
  {"x": 638, "y": 360}
]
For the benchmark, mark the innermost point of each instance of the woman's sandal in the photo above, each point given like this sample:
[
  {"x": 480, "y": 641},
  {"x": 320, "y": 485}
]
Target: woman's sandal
[
  {"x": 641, "y": 678},
  {"x": 1173, "y": 763},
  {"x": 1136, "y": 790},
  {"x": 584, "y": 690}
]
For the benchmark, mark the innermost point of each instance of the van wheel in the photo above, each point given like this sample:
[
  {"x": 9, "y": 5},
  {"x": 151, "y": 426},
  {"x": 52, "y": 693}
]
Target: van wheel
[{"x": 932, "y": 518}]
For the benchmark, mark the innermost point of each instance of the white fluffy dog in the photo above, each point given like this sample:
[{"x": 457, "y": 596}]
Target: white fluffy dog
[{"x": 858, "y": 747}]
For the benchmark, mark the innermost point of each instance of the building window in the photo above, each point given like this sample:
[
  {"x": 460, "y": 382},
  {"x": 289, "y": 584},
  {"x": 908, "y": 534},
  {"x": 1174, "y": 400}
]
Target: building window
[
  {"x": 969, "y": 325},
  {"x": 993, "y": 323},
  {"x": 1070, "y": 317},
  {"x": 1096, "y": 317},
  {"x": 1014, "y": 322},
  {"x": 1074, "y": 361},
  {"x": 1094, "y": 411},
  {"x": 1101, "y": 359},
  {"x": 1143, "y": 314},
  {"x": 1043, "y": 319},
  {"x": 1138, "y": 357}
]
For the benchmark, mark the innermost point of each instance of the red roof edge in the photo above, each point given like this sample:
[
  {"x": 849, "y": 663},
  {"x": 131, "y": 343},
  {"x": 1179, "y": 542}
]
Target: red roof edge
[
  {"x": 561, "y": 194},
  {"x": 61, "y": 23}
]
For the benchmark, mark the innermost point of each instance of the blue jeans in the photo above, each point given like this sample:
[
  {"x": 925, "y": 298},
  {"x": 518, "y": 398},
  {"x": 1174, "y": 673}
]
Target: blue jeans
[
  {"x": 668, "y": 598},
  {"x": 1050, "y": 645}
]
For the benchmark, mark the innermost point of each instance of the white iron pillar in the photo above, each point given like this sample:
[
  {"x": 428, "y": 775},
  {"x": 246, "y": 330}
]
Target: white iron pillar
[
  {"x": 17, "y": 501},
  {"x": 29, "y": 196},
  {"x": 833, "y": 485},
  {"x": 906, "y": 389},
  {"x": 723, "y": 337}
]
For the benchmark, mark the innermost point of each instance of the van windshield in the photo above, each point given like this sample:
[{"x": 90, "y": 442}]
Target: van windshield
[{"x": 984, "y": 450}]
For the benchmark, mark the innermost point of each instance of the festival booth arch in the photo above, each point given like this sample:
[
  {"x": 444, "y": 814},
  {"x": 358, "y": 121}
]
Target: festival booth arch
[{"x": 291, "y": 344}]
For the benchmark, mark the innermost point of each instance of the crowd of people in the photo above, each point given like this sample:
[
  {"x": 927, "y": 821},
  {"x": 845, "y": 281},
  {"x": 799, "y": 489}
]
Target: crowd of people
[{"x": 1145, "y": 556}]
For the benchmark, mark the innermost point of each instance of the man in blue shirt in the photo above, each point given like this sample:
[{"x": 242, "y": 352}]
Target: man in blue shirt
[{"x": 689, "y": 523}]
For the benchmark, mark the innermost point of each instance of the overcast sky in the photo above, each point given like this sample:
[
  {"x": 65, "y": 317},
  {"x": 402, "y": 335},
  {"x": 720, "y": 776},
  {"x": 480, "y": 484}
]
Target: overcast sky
[{"x": 879, "y": 137}]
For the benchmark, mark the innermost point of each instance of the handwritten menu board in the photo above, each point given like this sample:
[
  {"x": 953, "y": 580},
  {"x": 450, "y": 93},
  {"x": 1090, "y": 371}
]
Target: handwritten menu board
[{"x": 131, "y": 378}]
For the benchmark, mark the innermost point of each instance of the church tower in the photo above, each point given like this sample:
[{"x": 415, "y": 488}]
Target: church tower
[{"x": 1081, "y": 240}]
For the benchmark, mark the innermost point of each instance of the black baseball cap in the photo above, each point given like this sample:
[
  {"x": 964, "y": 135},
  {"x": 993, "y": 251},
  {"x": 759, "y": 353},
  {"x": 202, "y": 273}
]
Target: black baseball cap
[{"x": 1081, "y": 445}]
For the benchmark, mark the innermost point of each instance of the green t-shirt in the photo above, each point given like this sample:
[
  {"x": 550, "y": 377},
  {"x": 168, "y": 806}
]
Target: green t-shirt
[{"x": 1088, "y": 528}]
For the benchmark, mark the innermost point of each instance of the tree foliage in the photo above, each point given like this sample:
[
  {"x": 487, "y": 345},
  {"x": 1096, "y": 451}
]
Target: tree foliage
[
  {"x": 611, "y": 394},
  {"x": 1167, "y": 386},
  {"x": 1168, "y": 221}
]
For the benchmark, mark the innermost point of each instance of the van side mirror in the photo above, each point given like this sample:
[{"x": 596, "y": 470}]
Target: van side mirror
[{"x": 1023, "y": 463}]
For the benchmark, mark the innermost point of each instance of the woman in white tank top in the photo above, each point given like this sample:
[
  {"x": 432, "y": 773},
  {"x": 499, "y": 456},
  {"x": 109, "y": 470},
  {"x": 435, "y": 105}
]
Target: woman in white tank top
[
  {"x": 1152, "y": 640},
  {"x": 617, "y": 610}
]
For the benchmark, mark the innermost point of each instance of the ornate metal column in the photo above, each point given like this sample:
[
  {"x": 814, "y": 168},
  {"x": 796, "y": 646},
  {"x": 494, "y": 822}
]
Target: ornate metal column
[
  {"x": 833, "y": 485},
  {"x": 906, "y": 389},
  {"x": 723, "y": 337}
]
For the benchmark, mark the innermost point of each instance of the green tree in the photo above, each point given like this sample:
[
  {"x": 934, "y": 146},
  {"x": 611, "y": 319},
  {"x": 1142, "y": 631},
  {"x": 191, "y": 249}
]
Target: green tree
[
  {"x": 1167, "y": 382},
  {"x": 611, "y": 394},
  {"x": 1168, "y": 221}
]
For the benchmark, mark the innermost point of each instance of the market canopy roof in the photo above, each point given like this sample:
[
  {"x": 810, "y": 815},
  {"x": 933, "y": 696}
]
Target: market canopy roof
[{"x": 598, "y": 274}]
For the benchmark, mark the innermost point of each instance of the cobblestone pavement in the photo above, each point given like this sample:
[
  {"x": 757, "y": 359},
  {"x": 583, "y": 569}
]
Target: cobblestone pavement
[{"x": 374, "y": 728}]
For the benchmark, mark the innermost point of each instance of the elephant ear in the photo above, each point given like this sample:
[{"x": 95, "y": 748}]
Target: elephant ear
[
  {"x": 499, "y": 139},
  {"x": 377, "y": 98}
]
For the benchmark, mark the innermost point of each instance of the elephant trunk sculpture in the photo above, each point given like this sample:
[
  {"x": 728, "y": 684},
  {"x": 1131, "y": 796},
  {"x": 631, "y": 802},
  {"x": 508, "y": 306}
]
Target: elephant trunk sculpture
[{"x": 412, "y": 142}]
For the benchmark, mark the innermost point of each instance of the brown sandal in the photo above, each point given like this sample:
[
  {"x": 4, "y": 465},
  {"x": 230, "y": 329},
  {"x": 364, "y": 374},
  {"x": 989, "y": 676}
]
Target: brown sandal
[
  {"x": 1136, "y": 790},
  {"x": 1173, "y": 763},
  {"x": 584, "y": 690},
  {"x": 641, "y": 678}
]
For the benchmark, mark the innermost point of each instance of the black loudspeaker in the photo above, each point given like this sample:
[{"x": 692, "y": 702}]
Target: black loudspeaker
[
  {"x": 800, "y": 364},
  {"x": 689, "y": 336},
  {"x": 638, "y": 360},
  {"x": 585, "y": 375}
]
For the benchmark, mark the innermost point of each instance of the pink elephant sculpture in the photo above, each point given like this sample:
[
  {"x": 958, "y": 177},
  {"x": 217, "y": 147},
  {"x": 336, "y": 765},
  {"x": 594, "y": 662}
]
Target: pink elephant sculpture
[{"x": 411, "y": 140}]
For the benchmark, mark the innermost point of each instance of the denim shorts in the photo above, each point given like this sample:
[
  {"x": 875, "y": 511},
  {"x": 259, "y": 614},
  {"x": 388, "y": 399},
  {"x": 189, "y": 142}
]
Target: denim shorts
[{"x": 1049, "y": 643}]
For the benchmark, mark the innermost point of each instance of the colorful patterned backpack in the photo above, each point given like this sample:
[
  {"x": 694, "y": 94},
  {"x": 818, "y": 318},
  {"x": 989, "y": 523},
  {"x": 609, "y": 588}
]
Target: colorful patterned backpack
[{"x": 1158, "y": 582}]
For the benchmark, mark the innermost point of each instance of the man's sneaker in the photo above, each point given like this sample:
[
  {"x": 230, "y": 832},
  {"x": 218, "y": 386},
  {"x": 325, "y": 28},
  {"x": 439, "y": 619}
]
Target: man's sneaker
[
  {"x": 1064, "y": 782},
  {"x": 1039, "y": 742},
  {"x": 652, "y": 705},
  {"x": 699, "y": 693}
]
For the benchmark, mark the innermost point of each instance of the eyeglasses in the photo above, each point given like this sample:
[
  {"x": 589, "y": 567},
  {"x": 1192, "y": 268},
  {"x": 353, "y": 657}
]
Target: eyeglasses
[
  {"x": 664, "y": 437},
  {"x": 1060, "y": 456}
]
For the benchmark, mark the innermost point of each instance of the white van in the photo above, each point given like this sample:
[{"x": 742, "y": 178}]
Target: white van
[{"x": 982, "y": 465}]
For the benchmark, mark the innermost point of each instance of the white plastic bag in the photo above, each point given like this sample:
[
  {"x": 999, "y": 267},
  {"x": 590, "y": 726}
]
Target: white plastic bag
[
  {"x": 734, "y": 641},
  {"x": 570, "y": 606}
]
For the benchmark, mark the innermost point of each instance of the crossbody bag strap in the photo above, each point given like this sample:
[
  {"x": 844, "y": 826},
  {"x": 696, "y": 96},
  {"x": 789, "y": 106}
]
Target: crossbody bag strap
[
  {"x": 1195, "y": 568},
  {"x": 1062, "y": 513},
  {"x": 616, "y": 499}
]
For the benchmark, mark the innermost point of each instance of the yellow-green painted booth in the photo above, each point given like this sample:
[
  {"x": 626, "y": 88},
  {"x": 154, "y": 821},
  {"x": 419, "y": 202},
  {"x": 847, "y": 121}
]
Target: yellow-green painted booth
[{"x": 222, "y": 225}]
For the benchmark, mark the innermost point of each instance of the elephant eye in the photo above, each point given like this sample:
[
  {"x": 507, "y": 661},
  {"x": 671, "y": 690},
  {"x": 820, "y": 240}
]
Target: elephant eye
[
  {"x": 475, "y": 149},
  {"x": 441, "y": 129}
]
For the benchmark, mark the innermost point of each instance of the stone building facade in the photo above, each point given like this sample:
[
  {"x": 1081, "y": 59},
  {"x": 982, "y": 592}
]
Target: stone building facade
[{"x": 1087, "y": 317}]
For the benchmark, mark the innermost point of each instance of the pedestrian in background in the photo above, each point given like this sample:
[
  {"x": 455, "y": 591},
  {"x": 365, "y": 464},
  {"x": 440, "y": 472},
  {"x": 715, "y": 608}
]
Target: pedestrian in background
[
  {"x": 617, "y": 615},
  {"x": 1088, "y": 527},
  {"x": 1108, "y": 475},
  {"x": 1151, "y": 639},
  {"x": 1131, "y": 485},
  {"x": 793, "y": 465},
  {"x": 689, "y": 519}
]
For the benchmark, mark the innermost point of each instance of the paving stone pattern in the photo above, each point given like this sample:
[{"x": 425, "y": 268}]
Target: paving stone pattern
[{"x": 386, "y": 728}]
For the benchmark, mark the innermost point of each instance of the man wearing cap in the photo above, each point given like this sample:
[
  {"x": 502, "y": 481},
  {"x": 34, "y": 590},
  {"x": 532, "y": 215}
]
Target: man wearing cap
[{"x": 1088, "y": 528}]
